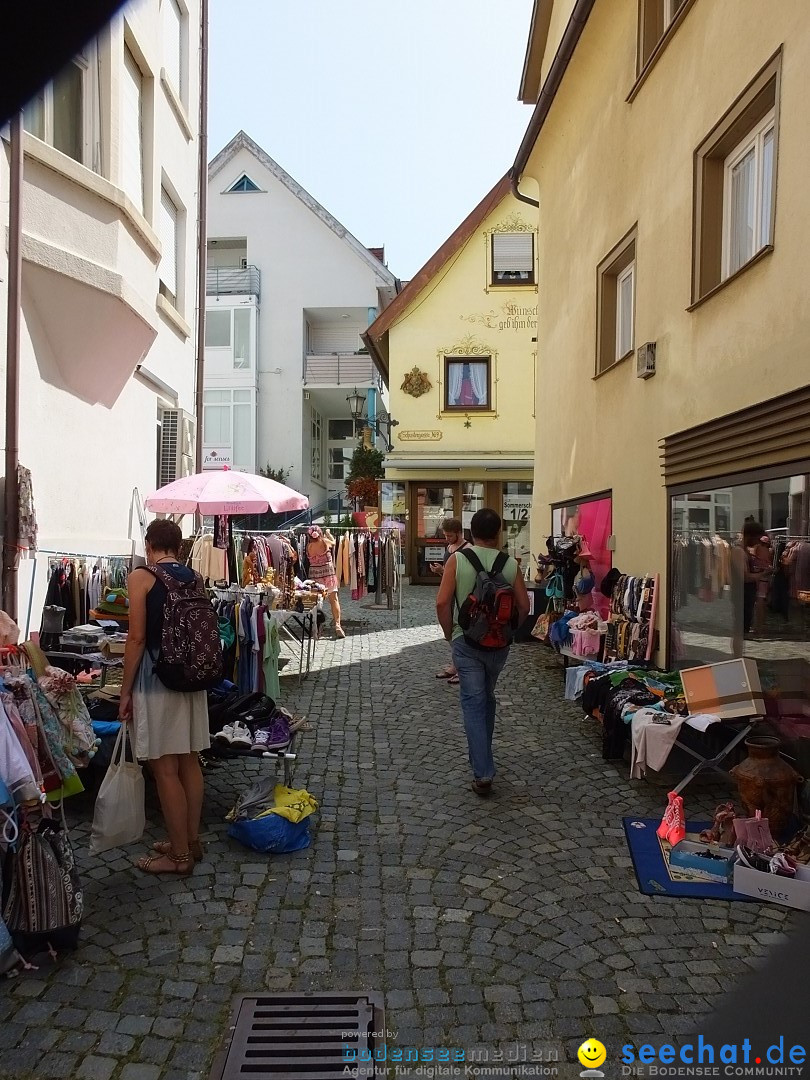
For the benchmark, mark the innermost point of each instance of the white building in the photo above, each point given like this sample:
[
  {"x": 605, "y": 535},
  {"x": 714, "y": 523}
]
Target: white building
[
  {"x": 289, "y": 293},
  {"x": 109, "y": 247}
]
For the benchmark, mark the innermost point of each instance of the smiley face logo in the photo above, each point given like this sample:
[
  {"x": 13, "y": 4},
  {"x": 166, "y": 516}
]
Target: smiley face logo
[{"x": 592, "y": 1054}]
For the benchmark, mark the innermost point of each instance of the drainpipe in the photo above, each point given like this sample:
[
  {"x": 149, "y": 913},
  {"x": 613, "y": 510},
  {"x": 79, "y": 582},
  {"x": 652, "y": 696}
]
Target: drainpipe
[
  {"x": 202, "y": 233},
  {"x": 559, "y": 66},
  {"x": 11, "y": 529}
]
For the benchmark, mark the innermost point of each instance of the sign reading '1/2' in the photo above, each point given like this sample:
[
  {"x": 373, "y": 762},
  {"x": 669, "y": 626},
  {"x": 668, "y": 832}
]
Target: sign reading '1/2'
[{"x": 517, "y": 507}]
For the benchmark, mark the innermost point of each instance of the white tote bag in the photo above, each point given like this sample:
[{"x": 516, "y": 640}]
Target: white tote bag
[{"x": 119, "y": 816}]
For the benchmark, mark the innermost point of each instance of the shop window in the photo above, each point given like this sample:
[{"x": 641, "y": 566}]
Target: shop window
[
  {"x": 467, "y": 383},
  {"x": 591, "y": 519},
  {"x": 229, "y": 426},
  {"x": 735, "y": 185},
  {"x": 731, "y": 593},
  {"x": 656, "y": 18},
  {"x": 513, "y": 258},
  {"x": 616, "y": 304},
  {"x": 517, "y": 512},
  {"x": 58, "y": 113}
]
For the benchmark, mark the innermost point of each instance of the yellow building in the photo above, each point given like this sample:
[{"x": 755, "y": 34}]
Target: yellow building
[
  {"x": 457, "y": 347},
  {"x": 669, "y": 149}
]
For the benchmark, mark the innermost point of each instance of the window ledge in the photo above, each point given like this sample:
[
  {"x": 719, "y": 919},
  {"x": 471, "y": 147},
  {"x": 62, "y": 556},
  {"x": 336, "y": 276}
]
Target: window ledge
[
  {"x": 97, "y": 185},
  {"x": 167, "y": 308},
  {"x": 664, "y": 40},
  {"x": 613, "y": 366},
  {"x": 763, "y": 253},
  {"x": 513, "y": 285},
  {"x": 177, "y": 105},
  {"x": 464, "y": 414}
]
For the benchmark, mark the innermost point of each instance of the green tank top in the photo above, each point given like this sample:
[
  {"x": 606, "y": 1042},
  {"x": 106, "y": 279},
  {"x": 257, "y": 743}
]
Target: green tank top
[{"x": 465, "y": 577}]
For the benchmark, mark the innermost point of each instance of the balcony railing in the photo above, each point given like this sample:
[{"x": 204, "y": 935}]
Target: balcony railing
[
  {"x": 341, "y": 369},
  {"x": 233, "y": 281}
]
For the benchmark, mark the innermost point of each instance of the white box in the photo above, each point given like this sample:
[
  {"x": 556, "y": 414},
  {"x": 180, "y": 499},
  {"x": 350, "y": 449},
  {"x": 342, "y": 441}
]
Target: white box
[{"x": 773, "y": 888}]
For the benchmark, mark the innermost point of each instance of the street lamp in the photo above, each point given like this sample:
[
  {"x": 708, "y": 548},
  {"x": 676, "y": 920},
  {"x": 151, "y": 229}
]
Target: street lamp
[{"x": 357, "y": 402}]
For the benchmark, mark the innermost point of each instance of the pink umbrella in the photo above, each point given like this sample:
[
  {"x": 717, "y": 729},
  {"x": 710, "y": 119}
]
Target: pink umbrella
[{"x": 225, "y": 492}]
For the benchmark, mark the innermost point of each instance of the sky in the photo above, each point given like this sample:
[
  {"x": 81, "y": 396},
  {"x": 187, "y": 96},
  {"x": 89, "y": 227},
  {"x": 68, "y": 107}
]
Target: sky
[{"x": 397, "y": 117}]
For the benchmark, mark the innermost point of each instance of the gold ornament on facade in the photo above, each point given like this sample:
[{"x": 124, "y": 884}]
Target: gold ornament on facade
[
  {"x": 469, "y": 346},
  {"x": 416, "y": 383},
  {"x": 513, "y": 223}
]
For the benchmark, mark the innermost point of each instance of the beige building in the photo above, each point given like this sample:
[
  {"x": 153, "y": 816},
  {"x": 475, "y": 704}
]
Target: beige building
[
  {"x": 669, "y": 152},
  {"x": 457, "y": 347}
]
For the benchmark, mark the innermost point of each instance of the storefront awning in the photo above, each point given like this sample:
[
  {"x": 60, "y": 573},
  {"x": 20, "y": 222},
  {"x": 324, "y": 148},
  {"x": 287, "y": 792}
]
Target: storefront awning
[{"x": 433, "y": 464}]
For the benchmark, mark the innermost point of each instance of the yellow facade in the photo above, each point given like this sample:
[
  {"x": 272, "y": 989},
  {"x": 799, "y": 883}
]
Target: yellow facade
[
  {"x": 614, "y": 155},
  {"x": 451, "y": 315}
]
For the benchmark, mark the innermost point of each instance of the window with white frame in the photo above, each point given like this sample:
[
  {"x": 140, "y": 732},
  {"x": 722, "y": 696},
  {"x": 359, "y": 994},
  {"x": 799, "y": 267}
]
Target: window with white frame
[
  {"x": 173, "y": 51},
  {"x": 131, "y": 179},
  {"x": 229, "y": 425},
  {"x": 615, "y": 303},
  {"x": 169, "y": 262},
  {"x": 748, "y": 191},
  {"x": 59, "y": 113},
  {"x": 231, "y": 329},
  {"x": 316, "y": 426},
  {"x": 625, "y": 305},
  {"x": 513, "y": 258}
]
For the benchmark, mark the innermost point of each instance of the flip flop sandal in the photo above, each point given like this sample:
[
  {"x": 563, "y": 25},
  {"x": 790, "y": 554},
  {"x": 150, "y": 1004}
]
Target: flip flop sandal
[
  {"x": 446, "y": 673},
  {"x": 454, "y": 680}
]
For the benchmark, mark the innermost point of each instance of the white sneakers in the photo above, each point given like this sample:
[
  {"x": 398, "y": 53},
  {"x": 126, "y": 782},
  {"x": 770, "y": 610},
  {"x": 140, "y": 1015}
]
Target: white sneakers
[{"x": 236, "y": 734}]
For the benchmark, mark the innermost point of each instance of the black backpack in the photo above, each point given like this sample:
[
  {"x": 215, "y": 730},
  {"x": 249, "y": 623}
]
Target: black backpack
[
  {"x": 489, "y": 616},
  {"x": 190, "y": 656}
]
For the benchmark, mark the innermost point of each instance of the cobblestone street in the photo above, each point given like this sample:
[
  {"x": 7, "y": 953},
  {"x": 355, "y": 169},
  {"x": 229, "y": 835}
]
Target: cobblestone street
[{"x": 485, "y": 923}]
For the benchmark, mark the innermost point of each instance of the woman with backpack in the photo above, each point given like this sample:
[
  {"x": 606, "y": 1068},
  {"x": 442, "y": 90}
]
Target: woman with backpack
[{"x": 170, "y": 726}]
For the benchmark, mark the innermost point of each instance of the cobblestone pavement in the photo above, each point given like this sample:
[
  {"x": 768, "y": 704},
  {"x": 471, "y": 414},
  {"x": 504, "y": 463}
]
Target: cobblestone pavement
[{"x": 485, "y": 923}]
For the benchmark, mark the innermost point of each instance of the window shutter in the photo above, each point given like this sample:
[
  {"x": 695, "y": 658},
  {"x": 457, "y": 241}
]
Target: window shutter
[
  {"x": 132, "y": 131},
  {"x": 513, "y": 251},
  {"x": 173, "y": 44},
  {"x": 168, "y": 239}
]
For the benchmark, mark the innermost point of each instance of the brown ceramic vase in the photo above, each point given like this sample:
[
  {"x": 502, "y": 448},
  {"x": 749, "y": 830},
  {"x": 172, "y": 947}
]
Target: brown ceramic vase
[{"x": 766, "y": 782}]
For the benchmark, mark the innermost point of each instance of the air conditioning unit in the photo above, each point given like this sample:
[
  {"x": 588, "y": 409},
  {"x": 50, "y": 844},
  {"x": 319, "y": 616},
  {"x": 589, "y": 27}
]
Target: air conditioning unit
[
  {"x": 645, "y": 361},
  {"x": 177, "y": 445}
]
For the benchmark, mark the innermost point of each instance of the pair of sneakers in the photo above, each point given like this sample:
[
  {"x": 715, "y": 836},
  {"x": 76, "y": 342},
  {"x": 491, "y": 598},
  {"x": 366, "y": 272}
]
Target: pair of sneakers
[
  {"x": 237, "y": 735},
  {"x": 275, "y": 735}
]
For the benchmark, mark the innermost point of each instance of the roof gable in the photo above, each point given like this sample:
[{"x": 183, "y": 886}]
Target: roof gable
[
  {"x": 242, "y": 141},
  {"x": 422, "y": 278}
]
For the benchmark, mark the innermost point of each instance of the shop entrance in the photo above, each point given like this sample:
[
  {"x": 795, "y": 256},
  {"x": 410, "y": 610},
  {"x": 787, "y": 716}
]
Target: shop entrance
[{"x": 433, "y": 501}]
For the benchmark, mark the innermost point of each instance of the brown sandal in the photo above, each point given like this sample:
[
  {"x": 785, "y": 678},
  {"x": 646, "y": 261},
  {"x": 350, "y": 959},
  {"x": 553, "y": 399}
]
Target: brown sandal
[
  {"x": 185, "y": 861},
  {"x": 164, "y": 847}
]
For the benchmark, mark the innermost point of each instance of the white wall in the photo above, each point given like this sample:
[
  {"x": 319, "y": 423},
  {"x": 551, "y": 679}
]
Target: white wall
[
  {"x": 88, "y": 452},
  {"x": 304, "y": 264}
]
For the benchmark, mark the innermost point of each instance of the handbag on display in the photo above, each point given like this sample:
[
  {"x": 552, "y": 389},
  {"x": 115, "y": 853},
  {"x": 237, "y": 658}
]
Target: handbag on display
[
  {"x": 542, "y": 627},
  {"x": 43, "y": 901}
]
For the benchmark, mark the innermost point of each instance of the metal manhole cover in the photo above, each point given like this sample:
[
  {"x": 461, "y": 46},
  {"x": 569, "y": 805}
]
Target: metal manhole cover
[{"x": 303, "y": 1037}]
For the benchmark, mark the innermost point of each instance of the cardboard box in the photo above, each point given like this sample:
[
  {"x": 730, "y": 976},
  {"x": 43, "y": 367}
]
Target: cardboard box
[
  {"x": 689, "y": 856},
  {"x": 113, "y": 649},
  {"x": 789, "y": 892},
  {"x": 730, "y": 689}
]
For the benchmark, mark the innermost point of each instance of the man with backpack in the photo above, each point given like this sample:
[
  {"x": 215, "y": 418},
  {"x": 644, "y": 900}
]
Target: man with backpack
[{"x": 481, "y": 602}]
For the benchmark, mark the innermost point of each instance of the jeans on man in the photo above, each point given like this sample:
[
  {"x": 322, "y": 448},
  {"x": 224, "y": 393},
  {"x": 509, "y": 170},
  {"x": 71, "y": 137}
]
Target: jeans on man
[{"x": 478, "y": 671}]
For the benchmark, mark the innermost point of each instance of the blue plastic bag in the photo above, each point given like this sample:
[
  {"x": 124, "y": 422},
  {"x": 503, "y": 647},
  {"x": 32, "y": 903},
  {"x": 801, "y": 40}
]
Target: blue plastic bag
[{"x": 271, "y": 834}]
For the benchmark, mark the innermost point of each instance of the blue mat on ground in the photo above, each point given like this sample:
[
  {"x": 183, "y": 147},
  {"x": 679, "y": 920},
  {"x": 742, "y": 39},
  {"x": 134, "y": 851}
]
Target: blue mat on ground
[{"x": 651, "y": 862}]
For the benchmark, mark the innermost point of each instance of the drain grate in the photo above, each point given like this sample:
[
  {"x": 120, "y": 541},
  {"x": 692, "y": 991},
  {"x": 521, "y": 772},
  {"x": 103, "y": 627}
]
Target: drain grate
[{"x": 304, "y": 1037}]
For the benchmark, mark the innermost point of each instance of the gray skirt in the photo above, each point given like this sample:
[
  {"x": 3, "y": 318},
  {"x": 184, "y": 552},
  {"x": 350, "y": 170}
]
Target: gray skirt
[{"x": 167, "y": 722}]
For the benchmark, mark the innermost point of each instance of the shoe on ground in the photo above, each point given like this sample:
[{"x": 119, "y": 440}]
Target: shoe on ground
[
  {"x": 225, "y": 734},
  {"x": 482, "y": 787},
  {"x": 274, "y": 736},
  {"x": 241, "y": 735}
]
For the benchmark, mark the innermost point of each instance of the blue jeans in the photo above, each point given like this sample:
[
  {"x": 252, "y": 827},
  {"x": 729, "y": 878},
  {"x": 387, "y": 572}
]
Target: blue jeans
[{"x": 478, "y": 671}]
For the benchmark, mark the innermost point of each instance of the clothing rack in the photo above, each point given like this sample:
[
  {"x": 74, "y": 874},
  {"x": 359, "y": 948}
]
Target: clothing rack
[{"x": 60, "y": 555}]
